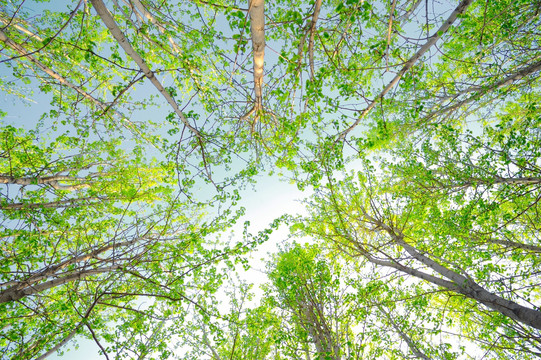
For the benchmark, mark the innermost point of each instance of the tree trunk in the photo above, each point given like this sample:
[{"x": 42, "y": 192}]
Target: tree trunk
[
  {"x": 452, "y": 280},
  {"x": 52, "y": 181},
  {"x": 14, "y": 293},
  {"x": 483, "y": 90},
  {"x": 469, "y": 288},
  {"x": 60, "y": 204},
  {"x": 111, "y": 24},
  {"x": 257, "y": 31}
]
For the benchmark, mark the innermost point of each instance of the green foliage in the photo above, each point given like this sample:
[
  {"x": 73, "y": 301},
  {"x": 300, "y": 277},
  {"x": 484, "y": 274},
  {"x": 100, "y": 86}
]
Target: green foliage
[{"x": 117, "y": 186}]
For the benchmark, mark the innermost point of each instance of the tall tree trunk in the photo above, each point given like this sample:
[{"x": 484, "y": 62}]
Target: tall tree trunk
[
  {"x": 257, "y": 31},
  {"x": 15, "y": 293},
  {"x": 60, "y": 204},
  {"x": 319, "y": 330},
  {"x": 52, "y": 181}
]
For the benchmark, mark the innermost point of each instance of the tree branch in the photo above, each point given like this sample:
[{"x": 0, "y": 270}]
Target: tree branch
[
  {"x": 15, "y": 294},
  {"x": 461, "y": 8},
  {"x": 18, "y": 48},
  {"x": 50, "y": 205},
  {"x": 52, "y": 181},
  {"x": 72, "y": 14},
  {"x": 482, "y": 90},
  {"x": 315, "y": 17},
  {"x": 111, "y": 24}
]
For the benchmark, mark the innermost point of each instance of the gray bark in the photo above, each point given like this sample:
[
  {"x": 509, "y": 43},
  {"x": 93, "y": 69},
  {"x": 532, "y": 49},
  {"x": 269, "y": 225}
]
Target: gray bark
[
  {"x": 60, "y": 204},
  {"x": 52, "y": 181},
  {"x": 452, "y": 280}
]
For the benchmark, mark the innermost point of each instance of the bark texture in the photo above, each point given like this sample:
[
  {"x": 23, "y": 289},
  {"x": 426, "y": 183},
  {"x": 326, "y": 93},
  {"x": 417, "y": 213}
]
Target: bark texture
[
  {"x": 15, "y": 293},
  {"x": 257, "y": 31},
  {"x": 451, "y": 279}
]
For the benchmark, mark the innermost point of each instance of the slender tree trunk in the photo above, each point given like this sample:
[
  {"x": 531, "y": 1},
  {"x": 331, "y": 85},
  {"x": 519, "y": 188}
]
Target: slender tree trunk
[
  {"x": 406, "y": 16},
  {"x": 55, "y": 348},
  {"x": 411, "y": 344},
  {"x": 319, "y": 331},
  {"x": 482, "y": 90},
  {"x": 14, "y": 293},
  {"x": 315, "y": 17},
  {"x": 19, "y": 49},
  {"x": 52, "y": 181},
  {"x": 525, "y": 71},
  {"x": 61, "y": 204},
  {"x": 257, "y": 32},
  {"x": 53, "y": 269},
  {"x": 153, "y": 20},
  {"x": 460, "y": 284},
  {"x": 111, "y": 24},
  {"x": 469, "y": 288},
  {"x": 452, "y": 280}
]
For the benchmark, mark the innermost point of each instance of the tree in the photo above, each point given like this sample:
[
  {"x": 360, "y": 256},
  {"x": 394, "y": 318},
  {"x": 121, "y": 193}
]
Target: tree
[
  {"x": 114, "y": 196},
  {"x": 422, "y": 224},
  {"x": 93, "y": 228},
  {"x": 317, "y": 306},
  {"x": 308, "y": 294},
  {"x": 88, "y": 238}
]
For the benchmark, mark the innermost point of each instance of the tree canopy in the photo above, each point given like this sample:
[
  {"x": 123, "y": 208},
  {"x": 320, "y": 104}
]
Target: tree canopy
[{"x": 132, "y": 130}]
